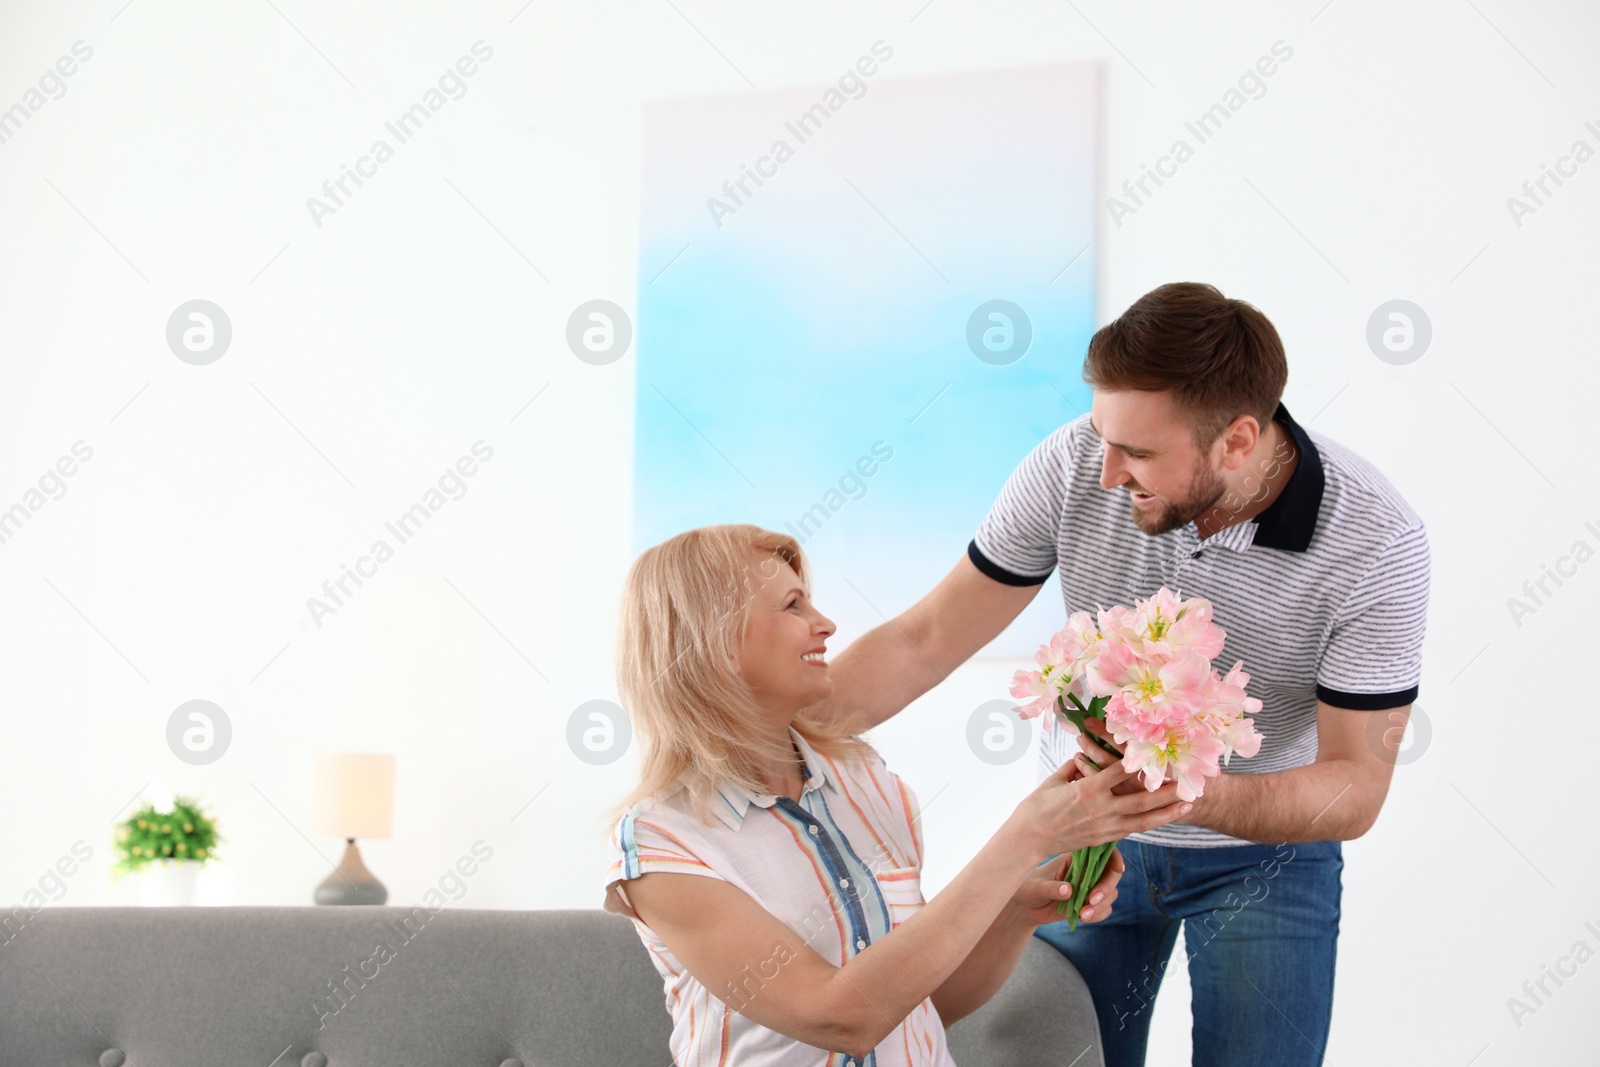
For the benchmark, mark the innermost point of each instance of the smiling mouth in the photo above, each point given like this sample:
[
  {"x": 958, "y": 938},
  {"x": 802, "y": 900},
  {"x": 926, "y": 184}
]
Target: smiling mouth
[{"x": 815, "y": 659}]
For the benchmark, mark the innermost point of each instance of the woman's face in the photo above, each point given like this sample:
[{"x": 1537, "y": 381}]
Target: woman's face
[{"x": 781, "y": 658}]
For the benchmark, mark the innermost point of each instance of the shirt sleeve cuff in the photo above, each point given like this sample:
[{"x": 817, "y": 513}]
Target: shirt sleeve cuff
[
  {"x": 1366, "y": 701},
  {"x": 999, "y": 573}
]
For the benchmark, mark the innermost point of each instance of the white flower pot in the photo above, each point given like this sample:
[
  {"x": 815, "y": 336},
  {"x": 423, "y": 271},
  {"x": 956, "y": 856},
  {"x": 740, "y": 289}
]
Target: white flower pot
[{"x": 168, "y": 883}]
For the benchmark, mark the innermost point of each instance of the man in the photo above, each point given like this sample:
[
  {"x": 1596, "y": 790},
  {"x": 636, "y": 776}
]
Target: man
[{"x": 1189, "y": 472}]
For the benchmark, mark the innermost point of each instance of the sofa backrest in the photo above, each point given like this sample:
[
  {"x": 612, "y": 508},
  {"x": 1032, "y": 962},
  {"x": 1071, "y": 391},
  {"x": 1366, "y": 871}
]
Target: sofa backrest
[{"x": 397, "y": 987}]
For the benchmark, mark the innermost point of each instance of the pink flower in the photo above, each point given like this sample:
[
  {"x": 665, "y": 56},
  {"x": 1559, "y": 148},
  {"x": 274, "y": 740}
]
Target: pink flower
[
  {"x": 1164, "y": 704},
  {"x": 1153, "y": 688},
  {"x": 1061, "y": 664},
  {"x": 1123, "y": 719},
  {"x": 1225, "y": 706},
  {"x": 1037, "y": 688},
  {"x": 1123, "y": 625},
  {"x": 1149, "y": 671},
  {"x": 1190, "y": 752},
  {"x": 1163, "y": 625}
]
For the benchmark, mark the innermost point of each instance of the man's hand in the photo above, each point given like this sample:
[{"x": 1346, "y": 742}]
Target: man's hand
[{"x": 1037, "y": 898}]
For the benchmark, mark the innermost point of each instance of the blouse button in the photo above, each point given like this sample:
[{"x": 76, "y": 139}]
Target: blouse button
[
  {"x": 860, "y": 943},
  {"x": 844, "y": 883},
  {"x": 814, "y": 831}
]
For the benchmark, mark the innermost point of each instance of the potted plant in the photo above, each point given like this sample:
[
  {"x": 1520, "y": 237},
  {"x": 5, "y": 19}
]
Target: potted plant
[{"x": 166, "y": 850}]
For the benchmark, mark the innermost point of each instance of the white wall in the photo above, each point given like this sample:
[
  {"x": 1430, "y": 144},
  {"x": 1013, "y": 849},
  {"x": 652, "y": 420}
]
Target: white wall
[{"x": 369, "y": 353}]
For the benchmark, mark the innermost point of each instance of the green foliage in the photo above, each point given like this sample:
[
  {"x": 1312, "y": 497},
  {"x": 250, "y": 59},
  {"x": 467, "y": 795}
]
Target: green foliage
[
  {"x": 148, "y": 836},
  {"x": 1078, "y": 712}
]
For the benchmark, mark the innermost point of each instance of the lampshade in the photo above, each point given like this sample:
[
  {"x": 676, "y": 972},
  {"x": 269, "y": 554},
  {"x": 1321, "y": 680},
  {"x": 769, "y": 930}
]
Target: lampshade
[{"x": 352, "y": 795}]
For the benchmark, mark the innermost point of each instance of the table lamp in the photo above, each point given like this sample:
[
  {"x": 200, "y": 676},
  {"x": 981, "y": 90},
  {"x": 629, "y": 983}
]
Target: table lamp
[{"x": 352, "y": 795}]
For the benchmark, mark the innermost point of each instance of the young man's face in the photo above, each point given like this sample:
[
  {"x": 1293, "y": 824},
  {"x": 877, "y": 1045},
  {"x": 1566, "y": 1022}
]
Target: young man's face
[{"x": 1150, "y": 453}]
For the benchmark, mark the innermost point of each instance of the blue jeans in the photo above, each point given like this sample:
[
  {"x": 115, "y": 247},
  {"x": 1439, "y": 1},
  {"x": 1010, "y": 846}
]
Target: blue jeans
[{"x": 1260, "y": 923}]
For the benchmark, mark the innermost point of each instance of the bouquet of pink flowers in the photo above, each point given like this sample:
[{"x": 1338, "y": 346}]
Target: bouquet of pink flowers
[{"x": 1146, "y": 673}]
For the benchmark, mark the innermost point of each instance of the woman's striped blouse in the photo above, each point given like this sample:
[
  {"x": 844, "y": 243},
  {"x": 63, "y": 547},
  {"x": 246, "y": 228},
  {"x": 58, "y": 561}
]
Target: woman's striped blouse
[{"x": 841, "y": 868}]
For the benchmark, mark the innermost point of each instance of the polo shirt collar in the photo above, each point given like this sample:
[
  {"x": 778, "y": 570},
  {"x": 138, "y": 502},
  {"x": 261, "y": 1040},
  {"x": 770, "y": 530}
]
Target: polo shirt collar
[
  {"x": 736, "y": 799},
  {"x": 1290, "y": 520}
]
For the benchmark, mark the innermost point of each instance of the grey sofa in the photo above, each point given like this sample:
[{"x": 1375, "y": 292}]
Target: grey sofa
[{"x": 307, "y": 986}]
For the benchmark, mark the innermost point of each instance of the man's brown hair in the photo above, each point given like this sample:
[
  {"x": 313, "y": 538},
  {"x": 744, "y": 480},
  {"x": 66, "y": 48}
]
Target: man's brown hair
[{"x": 1219, "y": 358}]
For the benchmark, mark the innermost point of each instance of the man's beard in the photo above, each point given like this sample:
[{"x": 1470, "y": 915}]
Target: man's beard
[{"x": 1205, "y": 489}]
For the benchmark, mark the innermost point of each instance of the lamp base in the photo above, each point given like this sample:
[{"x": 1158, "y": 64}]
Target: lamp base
[{"x": 351, "y": 882}]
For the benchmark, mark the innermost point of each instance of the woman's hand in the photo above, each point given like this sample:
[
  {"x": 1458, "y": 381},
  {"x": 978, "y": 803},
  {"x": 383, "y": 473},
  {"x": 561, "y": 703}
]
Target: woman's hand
[
  {"x": 1037, "y": 900},
  {"x": 1079, "y": 806},
  {"x": 1099, "y": 755}
]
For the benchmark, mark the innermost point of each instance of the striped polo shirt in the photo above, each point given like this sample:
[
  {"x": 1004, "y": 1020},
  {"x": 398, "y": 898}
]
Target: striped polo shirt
[
  {"x": 1323, "y": 595},
  {"x": 841, "y": 869}
]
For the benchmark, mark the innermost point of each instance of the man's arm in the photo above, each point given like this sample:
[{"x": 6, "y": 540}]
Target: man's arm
[
  {"x": 1336, "y": 798},
  {"x": 891, "y": 665}
]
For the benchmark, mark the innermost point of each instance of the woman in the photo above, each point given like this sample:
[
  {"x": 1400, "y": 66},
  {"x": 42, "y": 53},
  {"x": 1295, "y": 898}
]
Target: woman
[{"x": 772, "y": 866}]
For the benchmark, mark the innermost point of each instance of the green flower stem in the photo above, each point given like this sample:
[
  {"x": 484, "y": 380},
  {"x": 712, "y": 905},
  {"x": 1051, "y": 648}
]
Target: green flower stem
[
  {"x": 1087, "y": 864},
  {"x": 1077, "y": 713}
]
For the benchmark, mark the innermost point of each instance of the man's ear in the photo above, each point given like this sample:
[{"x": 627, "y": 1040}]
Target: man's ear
[{"x": 1238, "y": 440}]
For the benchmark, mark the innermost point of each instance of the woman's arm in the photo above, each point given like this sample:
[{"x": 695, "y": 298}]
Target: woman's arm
[
  {"x": 764, "y": 970},
  {"x": 745, "y": 956}
]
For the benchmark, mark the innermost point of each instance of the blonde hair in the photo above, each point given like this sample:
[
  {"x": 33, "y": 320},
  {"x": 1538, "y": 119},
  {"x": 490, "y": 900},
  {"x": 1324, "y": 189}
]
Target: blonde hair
[{"x": 684, "y": 616}]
